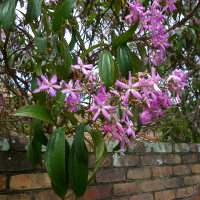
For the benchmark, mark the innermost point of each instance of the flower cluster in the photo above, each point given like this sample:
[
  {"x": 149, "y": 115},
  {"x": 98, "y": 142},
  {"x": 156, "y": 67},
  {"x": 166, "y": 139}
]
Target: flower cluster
[
  {"x": 149, "y": 92},
  {"x": 152, "y": 23}
]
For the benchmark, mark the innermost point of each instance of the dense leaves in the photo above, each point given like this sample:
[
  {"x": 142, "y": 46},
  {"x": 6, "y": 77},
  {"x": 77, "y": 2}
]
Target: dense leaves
[{"x": 56, "y": 57}]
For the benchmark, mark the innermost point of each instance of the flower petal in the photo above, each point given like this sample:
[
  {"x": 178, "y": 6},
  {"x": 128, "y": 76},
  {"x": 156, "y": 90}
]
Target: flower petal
[
  {"x": 105, "y": 114},
  {"x": 44, "y": 79},
  {"x": 53, "y": 79},
  {"x": 52, "y": 92},
  {"x": 96, "y": 115},
  {"x": 121, "y": 85},
  {"x": 136, "y": 94}
]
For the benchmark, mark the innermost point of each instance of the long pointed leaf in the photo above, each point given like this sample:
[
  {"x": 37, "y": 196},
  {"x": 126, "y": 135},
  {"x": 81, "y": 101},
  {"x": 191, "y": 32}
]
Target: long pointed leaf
[
  {"x": 106, "y": 68},
  {"x": 35, "y": 111},
  {"x": 57, "y": 155},
  {"x": 78, "y": 163},
  {"x": 7, "y": 13}
]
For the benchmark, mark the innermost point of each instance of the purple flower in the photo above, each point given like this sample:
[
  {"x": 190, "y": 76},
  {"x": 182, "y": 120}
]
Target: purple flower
[
  {"x": 70, "y": 88},
  {"x": 122, "y": 138},
  {"x": 145, "y": 116},
  {"x": 50, "y": 86},
  {"x": 130, "y": 130},
  {"x": 100, "y": 105},
  {"x": 136, "y": 11},
  {"x": 73, "y": 101},
  {"x": 83, "y": 67},
  {"x": 130, "y": 89},
  {"x": 170, "y": 5}
]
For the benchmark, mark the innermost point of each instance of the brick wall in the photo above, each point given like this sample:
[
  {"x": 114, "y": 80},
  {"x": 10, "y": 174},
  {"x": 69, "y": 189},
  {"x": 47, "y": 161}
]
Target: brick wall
[{"x": 146, "y": 171}]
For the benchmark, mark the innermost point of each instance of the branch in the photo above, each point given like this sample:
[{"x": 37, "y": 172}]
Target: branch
[{"x": 183, "y": 21}]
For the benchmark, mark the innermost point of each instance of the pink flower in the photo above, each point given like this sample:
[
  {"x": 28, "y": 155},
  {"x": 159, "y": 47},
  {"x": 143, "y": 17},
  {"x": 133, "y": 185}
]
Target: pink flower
[
  {"x": 122, "y": 138},
  {"x": 83, "y": 67},
  {"x": 50, "y": 86},
  {"x": 73, "y": 101},
  {"x": 130, "y": 89},
  {"x": 144, "y": 117},
  {"x": 100, "y": 105},
  {"x": 170, "y": 5},
  {"x": 70, "y": 88},
  {"x": 129, "y": 129},
  {"x": 136, "y": 11}
]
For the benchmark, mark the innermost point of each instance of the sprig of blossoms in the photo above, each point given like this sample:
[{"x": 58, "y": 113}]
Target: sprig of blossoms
[
  {"x": 147, "y": 91},
  {"x": 152, "y": 23}
]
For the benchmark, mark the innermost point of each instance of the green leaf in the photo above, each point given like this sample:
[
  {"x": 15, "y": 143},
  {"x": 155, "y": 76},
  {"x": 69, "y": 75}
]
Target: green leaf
[
  {"x": 7, "y": 13},
  {"x": 60, "y": 97},
  {"x": 106, "y": 68},
  {"x": 73, "y": 40},
  {"x": 39, "y": 133},
  {"x": 78, "y": 163},
  {"x": 138, "y": 64},
  {"x": 34, "y": 151},
  {"x": 142, "y": 51},
  {"x": 70, "y": 117},
  {"x": 99, "y": 149},
  {"x": 57, "y": 157},
  {"x": 41, "y": 43},
  {"x": 124, "y": 37},
  {"x": 33, "y": 10},
  {"x": 61, "y": 14},
  {"x": 64, "y": 70},
  {"x": 91, "y": 49},
  {"x": 35, "y": 111},
  {"x": 124, "y": 60}
]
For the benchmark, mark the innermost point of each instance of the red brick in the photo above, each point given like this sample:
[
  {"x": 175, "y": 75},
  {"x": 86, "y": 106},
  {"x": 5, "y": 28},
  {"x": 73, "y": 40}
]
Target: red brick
[
  {"x": 192, "y": 180},
  {"x": 97, "y": 193},
  {"x": 181, "y": 169},
  {"x": 152, "y": 185},
  {"x": 165, "y": 195},
  {"x": 174, "y": 182},
  {"x": 124, "y": 189},
  {"x": 17, "y": 161},
  {"x": 107, "y": 163},
  {"x": 196, "y": 168},
  {"x": 190, "y": 158},
  {"x": 197, "y": 190},
  {"x": 142, "y": 197},
  {"x": 184, "y": 192},
  {"x": 125, "y": 160},
  {"x": 46, "y": 195},
  {"x": 2, "y": 182},
  {"x": 172, "y": 159},
  {"x": 15, "y": 197},
  {"x": 18, "y": 143},
  {"x": 139, "y": 173},
  {"x": 110, "y": 175},
  {"x": 151, "y": 160},
  {"x": 162, "y": 171},
  {"x": 30, "y": 181}
]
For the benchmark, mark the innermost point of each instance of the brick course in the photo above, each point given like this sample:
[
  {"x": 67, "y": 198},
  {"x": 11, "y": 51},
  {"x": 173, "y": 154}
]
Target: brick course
[
  {"x": 30, "y": 181},
  {"x": 2, "y": 182},
  {"x": 147, "y": 171},
  {"x": 139, "y": 173}
]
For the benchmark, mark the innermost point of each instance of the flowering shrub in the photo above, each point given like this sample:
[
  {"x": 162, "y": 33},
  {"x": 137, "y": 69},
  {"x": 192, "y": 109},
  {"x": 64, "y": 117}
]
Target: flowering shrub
[
  {"x": 114, "y": 92},
  {"x": 146, "y": 91}
]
